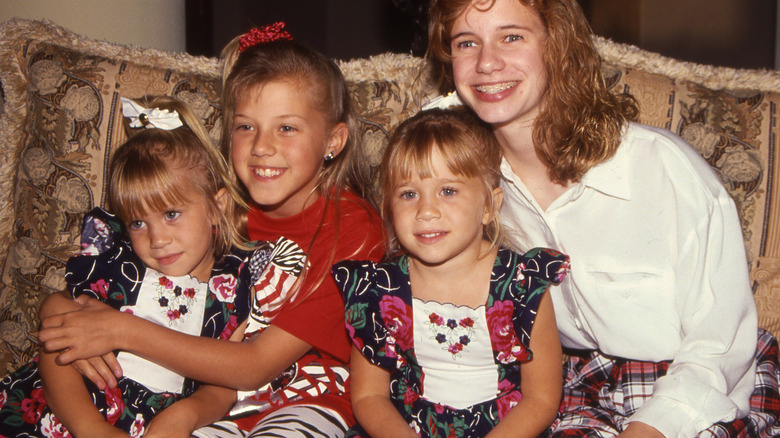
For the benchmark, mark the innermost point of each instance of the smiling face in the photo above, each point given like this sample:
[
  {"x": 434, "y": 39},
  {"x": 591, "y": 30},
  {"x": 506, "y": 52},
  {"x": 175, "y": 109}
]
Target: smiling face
[
  {"x": 279, "y": 139},
  {"x": 440, "y": 219},
  {"x": 497, "y": 61},
  {"x": 176, "y": 240}
]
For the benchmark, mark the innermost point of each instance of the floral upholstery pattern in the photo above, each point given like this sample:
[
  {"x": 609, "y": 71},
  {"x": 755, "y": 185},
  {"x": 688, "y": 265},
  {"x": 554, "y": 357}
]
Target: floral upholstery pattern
[{"x": 61, "y": 120}]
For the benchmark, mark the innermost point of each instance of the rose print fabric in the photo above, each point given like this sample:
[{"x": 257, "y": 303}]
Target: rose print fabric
[
  {"x": 112, "y": 273},
  {"x": 380, "y": 314}
]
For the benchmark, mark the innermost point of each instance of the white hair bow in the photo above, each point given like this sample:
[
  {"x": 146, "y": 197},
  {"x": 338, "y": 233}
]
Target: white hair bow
[
  {"x": 150, "y": 118},
  {"x": 444, "y": 101}
]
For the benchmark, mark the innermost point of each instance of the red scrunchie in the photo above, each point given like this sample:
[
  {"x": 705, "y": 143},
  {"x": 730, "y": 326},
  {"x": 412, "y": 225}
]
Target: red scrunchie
[{"x": 265, "y": 34}]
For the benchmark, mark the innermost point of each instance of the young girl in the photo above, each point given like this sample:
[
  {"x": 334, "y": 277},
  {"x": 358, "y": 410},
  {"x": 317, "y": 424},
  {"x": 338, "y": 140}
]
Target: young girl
[
  {"x": 290, "y": 137},
  {"x": 657, "y": 311},
  {"x": 455, "y": 336},
  {"x": 169, "y": 256}
]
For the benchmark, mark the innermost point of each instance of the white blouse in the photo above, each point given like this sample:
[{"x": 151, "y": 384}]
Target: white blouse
[
  {"x": 178, "y": 303},
  {"x": 452, "y": 346},
  {"x": 658, "y": 272}
]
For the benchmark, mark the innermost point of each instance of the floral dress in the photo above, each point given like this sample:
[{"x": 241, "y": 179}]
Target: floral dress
[
  {"x": 437, "y": 353},
  {"x": 108, "y": 270}
]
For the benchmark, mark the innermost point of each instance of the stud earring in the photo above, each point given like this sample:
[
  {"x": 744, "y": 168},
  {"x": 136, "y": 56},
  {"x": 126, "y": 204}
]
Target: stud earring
[{"x": 329, "y": 156}]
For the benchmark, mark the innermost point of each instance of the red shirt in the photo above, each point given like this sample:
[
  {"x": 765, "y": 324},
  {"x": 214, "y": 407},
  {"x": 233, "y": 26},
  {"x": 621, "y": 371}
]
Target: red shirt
[{"x": 355, "y": 230}]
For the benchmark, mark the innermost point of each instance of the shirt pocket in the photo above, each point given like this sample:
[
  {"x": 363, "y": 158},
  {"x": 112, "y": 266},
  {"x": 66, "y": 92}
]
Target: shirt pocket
[{"x": 640, "y": 285}]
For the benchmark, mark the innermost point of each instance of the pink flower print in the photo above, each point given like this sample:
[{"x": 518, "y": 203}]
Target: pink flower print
[
  {"x": 435, "y": 319},
  {"x": 224, "y": 287},
  {"x": 3, "y": 399},
  {"x": 395, "y": 317},
  {"x": 502, "y": 332},
  {"x": 466, "y": 322},
  {"x": 513, "y": 353},
  {"x": 562, "y": 271},
  {"x": 33, "y": 407},
  {"x": 166, "y": 282},
  {"x": 173, "y": 315},
  {"x": 137, "y": 429},
  {"x": 410, "y": 396},
  {"x": 439, "y": 408},
  {"x": 52, "y": 428},
  {"x": 230, "y": 327},
  {"x": 189, "y": 292},
  {"x": 355, "y": 339},
  {"x": 520, "y": 268},
  {"x": 506, "y": 402},
  {"x": 100, "y": 287},
  {"x": 115, "y": 405},
  {"x": 455, "y": 348}
]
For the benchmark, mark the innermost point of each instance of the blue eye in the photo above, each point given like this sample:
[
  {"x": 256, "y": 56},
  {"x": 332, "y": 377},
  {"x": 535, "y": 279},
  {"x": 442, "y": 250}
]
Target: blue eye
[
  {"x": 172, "y": 214},
  {"x": 510, "y": 38},
  {"x": 408, "y": 194},
  {"x": 287, "y": 128},
  {"x": 135, "y": 225},
  {"x": 448, "y": 191}
]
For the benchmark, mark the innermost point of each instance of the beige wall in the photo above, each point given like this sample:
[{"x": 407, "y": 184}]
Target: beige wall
[{"x": 145, "y": 23}]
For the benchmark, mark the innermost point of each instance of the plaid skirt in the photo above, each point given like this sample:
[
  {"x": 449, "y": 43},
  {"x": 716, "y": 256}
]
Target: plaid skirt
[{"x": 600, "y": 393}]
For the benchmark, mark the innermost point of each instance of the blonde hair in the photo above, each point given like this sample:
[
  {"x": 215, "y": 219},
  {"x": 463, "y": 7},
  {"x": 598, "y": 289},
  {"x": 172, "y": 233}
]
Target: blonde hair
[
  {"x": 150, "y": 170},
  {"x": 244, "y": 71},
  {"x": 467, "y": 146},
  {"x": 580, "y": 122}
]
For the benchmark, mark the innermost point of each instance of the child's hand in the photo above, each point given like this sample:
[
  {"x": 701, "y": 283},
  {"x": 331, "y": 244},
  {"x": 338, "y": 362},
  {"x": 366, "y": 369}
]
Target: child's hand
[
  {"x": 92, "y": 331},
  {"x": 102, "y": 371}
]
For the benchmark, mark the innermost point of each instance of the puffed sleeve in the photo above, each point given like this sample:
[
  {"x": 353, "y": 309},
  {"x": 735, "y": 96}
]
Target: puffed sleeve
[
  {"x": 365, "y": 287},
  {"x": 105, "y": 258},
  {"x": 535, "y": 270}
]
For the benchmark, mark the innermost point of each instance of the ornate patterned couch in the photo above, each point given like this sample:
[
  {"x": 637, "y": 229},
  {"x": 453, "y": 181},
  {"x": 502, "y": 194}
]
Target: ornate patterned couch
[{"x": 61, "y": 120}]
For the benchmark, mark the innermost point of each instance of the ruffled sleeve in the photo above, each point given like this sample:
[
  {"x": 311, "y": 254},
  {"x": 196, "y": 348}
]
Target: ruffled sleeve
[
  {"x": 106, "y": 268},
  {"x": 379, "y": 322},
  {"x": 534, "y": 271}
]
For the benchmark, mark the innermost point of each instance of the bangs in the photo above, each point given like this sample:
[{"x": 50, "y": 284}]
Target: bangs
[
  {"x": 142, "y": 187},
  {"x": 416, "y": 154}
]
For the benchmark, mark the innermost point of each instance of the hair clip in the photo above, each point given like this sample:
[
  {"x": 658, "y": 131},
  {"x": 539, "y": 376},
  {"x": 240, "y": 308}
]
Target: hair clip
[
  {"x": 444, "y": 101},
  {"x": 265, "y": 34},
  {"x": 141, "y": 117}
]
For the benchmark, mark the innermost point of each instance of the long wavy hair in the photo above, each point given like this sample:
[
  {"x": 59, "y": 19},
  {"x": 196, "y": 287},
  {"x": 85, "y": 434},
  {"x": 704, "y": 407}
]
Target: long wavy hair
[
  {"x": 152, "y": 167},
  {"x": 468, "y": 148},
  {"x": 580, "y": 122},
  {"x": 244, "y": 71}
]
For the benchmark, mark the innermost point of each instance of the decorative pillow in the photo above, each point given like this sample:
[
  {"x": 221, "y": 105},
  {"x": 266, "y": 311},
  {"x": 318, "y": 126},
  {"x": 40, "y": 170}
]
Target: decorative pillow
[
  {"x": 728, "y": 116},
  {"x": 62, "y": 120},
  {"x": 386, "y": 90}
]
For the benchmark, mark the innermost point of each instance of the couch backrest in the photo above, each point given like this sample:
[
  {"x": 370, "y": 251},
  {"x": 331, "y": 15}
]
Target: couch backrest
[{"x": 61, "y": 120}]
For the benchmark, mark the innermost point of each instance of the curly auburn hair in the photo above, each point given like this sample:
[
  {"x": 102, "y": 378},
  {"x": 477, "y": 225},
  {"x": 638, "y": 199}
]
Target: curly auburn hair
[{"x": 580, "y": 122}]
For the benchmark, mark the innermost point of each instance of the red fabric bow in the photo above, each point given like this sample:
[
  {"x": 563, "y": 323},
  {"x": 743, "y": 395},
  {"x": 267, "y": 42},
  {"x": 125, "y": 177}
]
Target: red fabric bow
[{"x": 265, "y": 34}]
